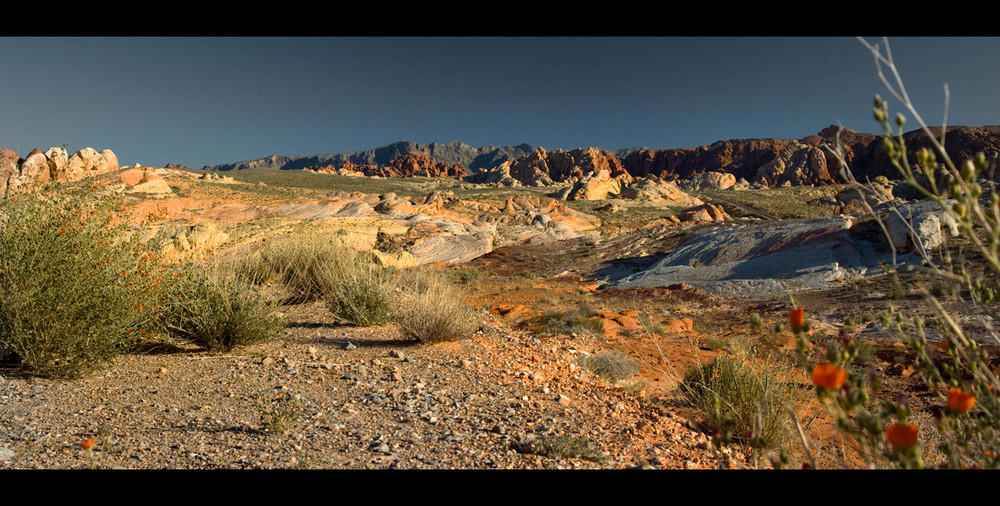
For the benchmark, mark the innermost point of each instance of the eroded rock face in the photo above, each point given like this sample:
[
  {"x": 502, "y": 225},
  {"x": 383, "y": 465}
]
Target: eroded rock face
[
  {"x": 651, "y": 188},
  {"x": 9, "y": 166},
  {"x": 759, "y": 260},
  {"x": 544, "y": 168},
  {"x": 598, "y": 185},
  {"x": 710, "y": 181},
  {"x": 797, "y": 164},
  {"x": 58, "y": 159}
]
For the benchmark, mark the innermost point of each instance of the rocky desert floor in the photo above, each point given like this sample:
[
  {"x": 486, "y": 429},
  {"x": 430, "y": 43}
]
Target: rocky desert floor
[{"x": 516, "y": 395}]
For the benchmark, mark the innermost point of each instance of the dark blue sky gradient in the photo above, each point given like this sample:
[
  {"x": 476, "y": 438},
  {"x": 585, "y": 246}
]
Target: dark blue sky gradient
[{"x": 203, "y": 101}]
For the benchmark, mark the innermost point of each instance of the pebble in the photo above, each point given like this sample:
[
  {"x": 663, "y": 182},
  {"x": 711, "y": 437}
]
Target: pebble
[
  {"x": 6, "y": 454},
  {"x": 397, "y": 354},
  {"x": 349, "y": 346}
]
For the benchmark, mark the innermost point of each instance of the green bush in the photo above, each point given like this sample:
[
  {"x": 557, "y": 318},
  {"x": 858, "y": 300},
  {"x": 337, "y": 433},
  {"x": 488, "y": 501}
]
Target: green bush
[
  {"x": 434, "y": 311},
  {"x": 76, "y": 289},
  {"x": 219, "y": 313}
]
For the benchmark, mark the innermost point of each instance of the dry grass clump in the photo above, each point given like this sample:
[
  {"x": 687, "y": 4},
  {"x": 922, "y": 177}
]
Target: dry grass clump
[
  {"x": 614, "y": 366},
  {"x": 579, "y": 320},
  {"x": 566, "y": 446},
  {"x": 279, "y": 412},
  {"x": 304, "y": 268},
  {"x": 433, "y": 310},
  {"x": 744, "y": 399},
  {"x": 218, "y": 312},
  {"x": 359, "y": 292}
]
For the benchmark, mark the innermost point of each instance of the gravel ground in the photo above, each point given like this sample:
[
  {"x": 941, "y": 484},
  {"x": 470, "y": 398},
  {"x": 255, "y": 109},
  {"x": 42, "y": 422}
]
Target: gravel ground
[{"x": 367, "y": 399}]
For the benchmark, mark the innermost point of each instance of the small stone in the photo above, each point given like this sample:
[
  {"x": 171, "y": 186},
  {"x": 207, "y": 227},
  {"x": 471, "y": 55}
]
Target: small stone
[
  {"x": 397, "y": 354},
  {"x": 267, "y": 362},
  {"x": 292, "y": 371},
  {"x": 349, "y": 346},
  {"x": 563, "y": 399},
  {"x": 6, "y": 454}
]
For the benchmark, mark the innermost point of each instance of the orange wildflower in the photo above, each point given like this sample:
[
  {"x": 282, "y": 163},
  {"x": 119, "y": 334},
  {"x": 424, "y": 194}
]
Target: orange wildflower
[
  {"x": 797, "y": 318},
  {"x": 88, "y": 443},
  {"x": 827, "y": 375},
  {"x": 960, "y": 401},
  {"x": 901, "y": 436}
]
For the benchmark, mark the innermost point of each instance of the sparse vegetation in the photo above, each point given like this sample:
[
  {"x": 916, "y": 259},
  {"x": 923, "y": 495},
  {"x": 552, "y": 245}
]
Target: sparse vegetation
[
  {"x": 566, "y": 446},
  {"x": 279, "y": 412},
  {"x": 579, "y": 320},
  {"x": 434, "y": 312},
  {"x": 359, "y": 292},
  {"x": 613, "y": 366}
]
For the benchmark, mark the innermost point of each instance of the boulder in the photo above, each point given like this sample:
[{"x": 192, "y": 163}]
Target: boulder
[
  {"x": 58, "y": 159},
  {"x": 598, "y": 185},
  {"x": 922, "y": 224},
  {"x": 710, "y": 181},
  {"x": 35, "y": 167},
  {"x": 9, "y": 167},
  {"x": 705, "y": 213},
  {"x": 761, "y": 260},
  {"x": 652, "y": 188}
]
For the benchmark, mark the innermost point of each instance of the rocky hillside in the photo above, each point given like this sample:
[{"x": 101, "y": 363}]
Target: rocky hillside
[
  {"x": 780, "y": 162},
  {"x": 760, "y": 162},
  {"x": 452, "y": 153}
]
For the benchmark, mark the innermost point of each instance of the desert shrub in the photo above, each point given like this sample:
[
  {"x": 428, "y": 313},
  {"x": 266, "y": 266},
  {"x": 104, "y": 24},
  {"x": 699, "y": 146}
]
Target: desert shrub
[
  {"x": 76, "y": 289},
  {"x": 958, "y": 371},
  {"x": 359, "y": 292},
  {"x": 434, "y": 311},
  {"x": 279, "y": 412},
  {"x": 567, "y": 446},
  {"x": 253, "y": 268},
  {"x": 470, "y": 276},
  {"x": 743, "y": 400},
  {"x": 579, "y": 320},
  {"x": 613, "y": 366},
  {"x": 218, "y": 312}
]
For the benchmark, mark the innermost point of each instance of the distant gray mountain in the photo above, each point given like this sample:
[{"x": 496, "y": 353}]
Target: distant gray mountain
[{"x": 454, "y": 152}]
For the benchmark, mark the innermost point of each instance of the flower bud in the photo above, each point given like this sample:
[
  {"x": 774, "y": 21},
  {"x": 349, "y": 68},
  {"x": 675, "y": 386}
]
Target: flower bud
[
  {"x": 980, "y": 161},
  {"x": 959, "y": 209},
  {"x": 968, "y": 170},
  {"x": 879, "y": 115},
  {"x": 900, "y": 120},
  {"x": 888, "y": 146}
]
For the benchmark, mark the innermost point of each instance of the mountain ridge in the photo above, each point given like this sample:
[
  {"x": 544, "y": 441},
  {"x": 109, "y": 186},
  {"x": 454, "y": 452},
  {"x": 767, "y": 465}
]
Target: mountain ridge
[{"x": 454, "y": 152}]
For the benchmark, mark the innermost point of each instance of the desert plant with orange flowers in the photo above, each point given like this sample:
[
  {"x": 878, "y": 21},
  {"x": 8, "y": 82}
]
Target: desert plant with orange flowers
[
  {"x": 956, "y": 369},
  {"x": 76, "y": 287}
]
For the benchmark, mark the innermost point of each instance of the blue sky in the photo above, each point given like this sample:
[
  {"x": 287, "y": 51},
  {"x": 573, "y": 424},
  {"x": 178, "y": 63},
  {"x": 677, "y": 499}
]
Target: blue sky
[{"x": 204, "y": 101}]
